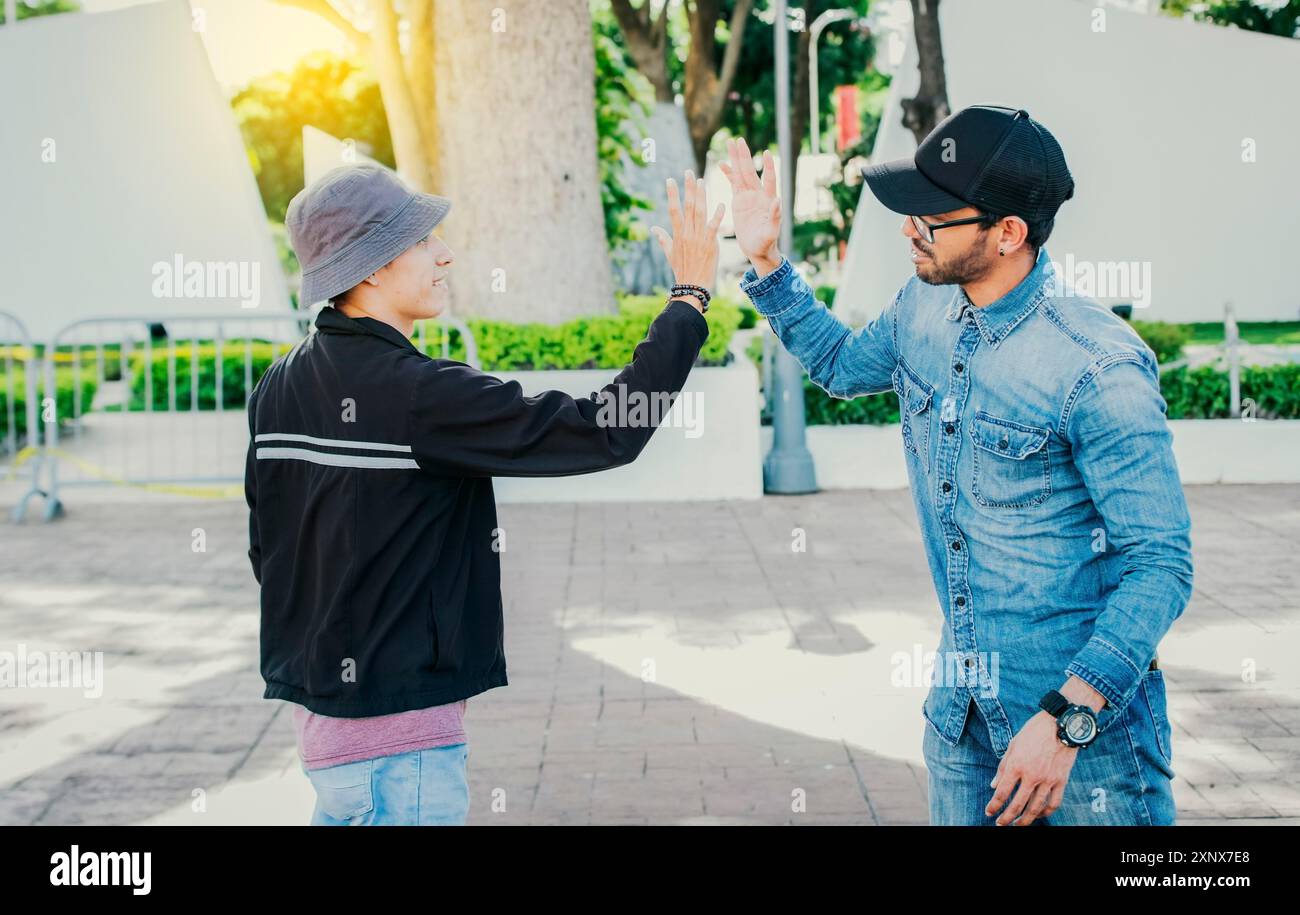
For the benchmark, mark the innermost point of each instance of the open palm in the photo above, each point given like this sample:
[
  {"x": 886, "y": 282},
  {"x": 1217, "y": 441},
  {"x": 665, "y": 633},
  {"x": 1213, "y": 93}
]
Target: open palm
[{"x": 755, "y": 207}]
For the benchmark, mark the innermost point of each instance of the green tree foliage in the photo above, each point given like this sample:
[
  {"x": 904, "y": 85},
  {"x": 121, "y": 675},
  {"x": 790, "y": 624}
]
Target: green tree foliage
[
  {"x": 1273, "y": 18},
  {"x": 1166, "y": 340},
  {"x": 334, "y": 94},
  {"x": 815, "y": 238},
  {"x": 30, "y": 10},
  {"x": 341, "y": 97},
  {"x": 623, "y": 97},
  {"x": 844, "y": 56}
]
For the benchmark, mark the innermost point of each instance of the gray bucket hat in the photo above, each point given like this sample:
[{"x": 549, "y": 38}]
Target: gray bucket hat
[{"x": 351, "y": 221}]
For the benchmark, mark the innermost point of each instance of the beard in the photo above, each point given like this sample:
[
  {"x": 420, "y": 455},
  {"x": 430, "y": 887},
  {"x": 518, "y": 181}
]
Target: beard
[{"x": 960, "y": 268}]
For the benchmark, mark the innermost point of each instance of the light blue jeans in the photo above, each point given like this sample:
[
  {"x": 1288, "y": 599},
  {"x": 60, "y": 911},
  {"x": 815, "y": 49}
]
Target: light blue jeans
[
  {"x": 419, "y": 788},
  {"x": 1123, "y": 779}
]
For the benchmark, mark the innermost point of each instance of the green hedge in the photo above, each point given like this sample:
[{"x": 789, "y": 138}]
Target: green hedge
[
  {"x": 85, "y": 353},
  {"x": 599, "y": 342},
  {"x": 233, "y": 355},
  {"x": 824, "y": 410},
  {"x": 1166, "y": 340},
  {"x": 65, "y": 385},
  {"x": 1204, "y": 393},
  {"x": 1190, "y": 394},
  {"x": 821, "y": 409}
]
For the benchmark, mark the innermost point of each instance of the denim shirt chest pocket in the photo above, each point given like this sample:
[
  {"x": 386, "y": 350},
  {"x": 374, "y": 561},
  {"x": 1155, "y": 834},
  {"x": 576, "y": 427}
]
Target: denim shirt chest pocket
[
  {"x": 1011, "y": 461},
  {"x": 914, "y": 402}
]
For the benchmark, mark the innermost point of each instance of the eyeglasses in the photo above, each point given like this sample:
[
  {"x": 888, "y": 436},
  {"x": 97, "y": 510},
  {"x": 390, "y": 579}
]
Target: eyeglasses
[{"x": 926, "y": 230}]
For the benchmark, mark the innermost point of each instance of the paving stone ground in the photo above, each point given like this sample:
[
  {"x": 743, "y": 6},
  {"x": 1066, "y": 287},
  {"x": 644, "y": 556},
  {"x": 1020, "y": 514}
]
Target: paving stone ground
[{"x": 668, "y": 663}]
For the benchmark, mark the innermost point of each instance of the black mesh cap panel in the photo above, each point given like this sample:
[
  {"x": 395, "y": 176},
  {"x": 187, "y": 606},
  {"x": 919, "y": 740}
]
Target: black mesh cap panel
[{"x": 1026, "y": 177}]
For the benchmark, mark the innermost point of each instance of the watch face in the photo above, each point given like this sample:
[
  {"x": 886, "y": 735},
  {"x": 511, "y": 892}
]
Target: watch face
[{"x": 1080, "y": 727}]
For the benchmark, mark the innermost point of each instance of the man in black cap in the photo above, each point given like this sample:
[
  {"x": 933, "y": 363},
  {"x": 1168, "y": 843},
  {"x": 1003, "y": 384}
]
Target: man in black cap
[
  {"x": 372, "y": 522},
  {"x": 1041, "y": 467}
]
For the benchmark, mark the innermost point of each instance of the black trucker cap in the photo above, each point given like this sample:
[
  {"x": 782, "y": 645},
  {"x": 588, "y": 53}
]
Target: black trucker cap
[{"x": 999, "y": 160}]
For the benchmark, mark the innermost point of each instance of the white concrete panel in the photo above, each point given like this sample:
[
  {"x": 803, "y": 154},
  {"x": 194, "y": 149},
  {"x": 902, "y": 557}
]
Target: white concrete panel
[
  {"x": 1152, "y": 114},
  {"x": 322, "y": 151},
  {"x": 706, "y": 448},
  {"x": 119, "y": 153}
]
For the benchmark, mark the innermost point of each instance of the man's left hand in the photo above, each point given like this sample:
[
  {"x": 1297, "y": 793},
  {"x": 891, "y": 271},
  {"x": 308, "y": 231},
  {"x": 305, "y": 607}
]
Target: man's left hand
[{"x": 1039, "y": 763}]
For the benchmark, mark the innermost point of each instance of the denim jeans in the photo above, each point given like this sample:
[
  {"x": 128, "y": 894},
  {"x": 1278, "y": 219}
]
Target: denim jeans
[
  {"x": 1122, "y": 779},
  {"x": 419, "y": 788}
]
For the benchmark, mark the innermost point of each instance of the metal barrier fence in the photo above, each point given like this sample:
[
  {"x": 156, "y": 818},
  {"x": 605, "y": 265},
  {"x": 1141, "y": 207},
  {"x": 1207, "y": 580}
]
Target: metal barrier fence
[
  {"x": 21, "y": 410},
  {"x": 1229, "y": 352},
  {"x": 123, "y": 393},
  {"x": 156, "y": 403}
]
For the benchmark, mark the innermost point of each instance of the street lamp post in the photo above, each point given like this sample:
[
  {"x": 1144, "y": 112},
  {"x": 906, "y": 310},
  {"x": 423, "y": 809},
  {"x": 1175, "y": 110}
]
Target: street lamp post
[
  {"x": 788, "y": 468},
  {"x": 815, "y": 33}
]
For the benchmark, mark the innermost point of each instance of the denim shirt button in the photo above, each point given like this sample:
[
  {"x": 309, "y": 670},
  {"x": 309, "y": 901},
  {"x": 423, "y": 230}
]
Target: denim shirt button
[
  {"x": 1004, "y": 444},
  {"x": 958, "y": 368},
  {"x": 949, "y": 429},
  {"x": 947, "y": 487},
  {"x": 961, "y": 601},
  {"x": 956, "y": 545}
]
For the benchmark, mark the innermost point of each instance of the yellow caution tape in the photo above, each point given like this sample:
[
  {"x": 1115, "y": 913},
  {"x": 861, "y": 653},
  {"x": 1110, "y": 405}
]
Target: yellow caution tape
[
  {"x": 230, "y": 491},
  {"x": 23, "y": 354}
]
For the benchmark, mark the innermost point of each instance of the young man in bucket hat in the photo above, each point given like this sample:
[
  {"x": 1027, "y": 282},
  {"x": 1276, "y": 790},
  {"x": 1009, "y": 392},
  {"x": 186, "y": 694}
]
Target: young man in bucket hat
[
  {"x": 372, "y": 525},
  {"x": 1040, "y": 464}
]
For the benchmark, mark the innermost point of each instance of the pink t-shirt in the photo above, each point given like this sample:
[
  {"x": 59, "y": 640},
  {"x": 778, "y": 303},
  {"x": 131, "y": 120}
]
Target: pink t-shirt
[{"x": 324, "y": 741}]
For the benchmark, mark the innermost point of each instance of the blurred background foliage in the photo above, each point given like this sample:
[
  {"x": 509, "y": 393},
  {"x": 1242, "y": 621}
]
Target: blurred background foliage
[
  {"x": 30, "y": 10},
  {"x": 337, "y": 95}
]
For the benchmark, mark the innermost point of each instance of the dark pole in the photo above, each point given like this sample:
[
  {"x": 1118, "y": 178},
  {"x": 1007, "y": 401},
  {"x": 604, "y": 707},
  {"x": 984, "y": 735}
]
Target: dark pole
[{"x": 788, "y": 468}]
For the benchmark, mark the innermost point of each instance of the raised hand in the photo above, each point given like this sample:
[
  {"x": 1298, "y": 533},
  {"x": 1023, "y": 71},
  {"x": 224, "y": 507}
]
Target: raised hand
[
  {"x": 692, "y": 251},
  {"x": 755, "y": 206}
]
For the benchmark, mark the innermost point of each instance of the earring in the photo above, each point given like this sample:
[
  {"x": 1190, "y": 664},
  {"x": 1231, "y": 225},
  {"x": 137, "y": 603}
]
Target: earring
[{"x": 1001, "y": 253}]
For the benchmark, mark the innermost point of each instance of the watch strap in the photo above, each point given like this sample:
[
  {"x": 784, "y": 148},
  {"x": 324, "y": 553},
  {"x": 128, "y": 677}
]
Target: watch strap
[{"x": 1053, "y": 703}]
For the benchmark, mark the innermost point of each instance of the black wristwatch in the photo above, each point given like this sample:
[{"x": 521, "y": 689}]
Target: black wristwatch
[{"x": 1076, "y": 725}]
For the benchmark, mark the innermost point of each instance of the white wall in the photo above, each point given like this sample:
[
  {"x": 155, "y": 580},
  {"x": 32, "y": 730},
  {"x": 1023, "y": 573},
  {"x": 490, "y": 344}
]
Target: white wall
[
  {"x": 717, "y": 457},
  {"x": 148, "y": 163},
  {"x": 1152, "y": 114},
  {"x": 322, "y": 151}
]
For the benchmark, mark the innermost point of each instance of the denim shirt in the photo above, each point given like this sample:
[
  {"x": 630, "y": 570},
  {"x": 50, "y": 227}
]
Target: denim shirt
[{"x": 1042, "y": 470}]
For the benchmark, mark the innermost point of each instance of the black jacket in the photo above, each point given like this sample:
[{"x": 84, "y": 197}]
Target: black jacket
[{"x": 371, "y": 525}]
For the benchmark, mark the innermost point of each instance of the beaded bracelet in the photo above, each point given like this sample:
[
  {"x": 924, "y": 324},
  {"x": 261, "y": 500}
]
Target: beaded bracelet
[{"x": 699, "y": 292}]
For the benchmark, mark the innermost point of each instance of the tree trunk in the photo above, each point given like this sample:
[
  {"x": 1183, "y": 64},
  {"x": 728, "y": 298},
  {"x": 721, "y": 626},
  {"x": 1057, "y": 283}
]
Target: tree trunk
[
  {"x": 409, "y": 147},
  {"x": 515, "y": 96},
  {"x": 405, "y": 84},
  {"x": 930, "y": 104},
  {"x": 420, "y": 78},
  {"x": 646, "y": 41},
  {"x": 707, "y": 85}
]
